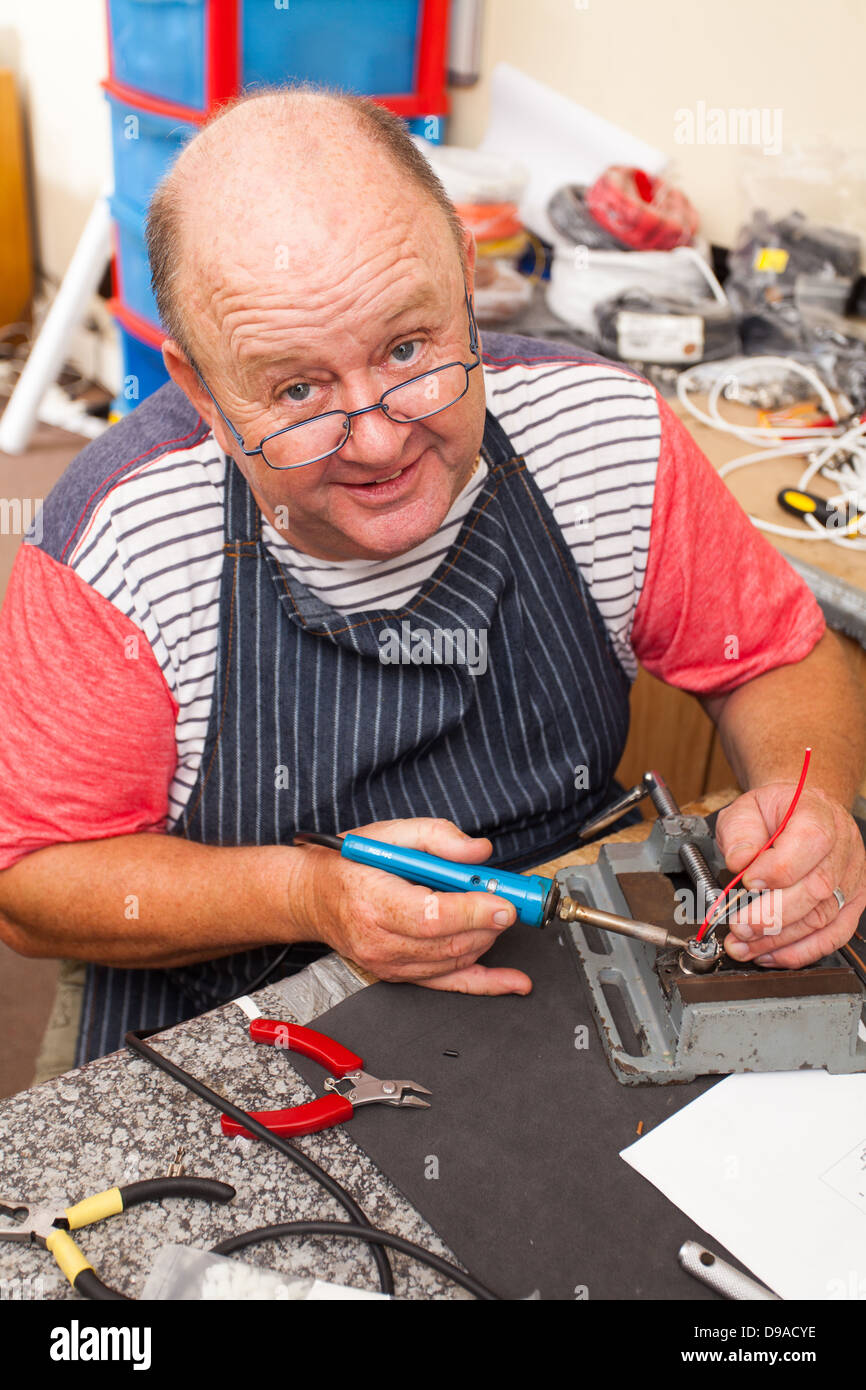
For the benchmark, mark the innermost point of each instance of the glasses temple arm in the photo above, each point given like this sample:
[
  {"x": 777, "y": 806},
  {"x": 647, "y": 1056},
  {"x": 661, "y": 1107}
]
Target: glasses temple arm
[
  {"x": 473, "y": 327},
  {"x": 226, "y": 421}
]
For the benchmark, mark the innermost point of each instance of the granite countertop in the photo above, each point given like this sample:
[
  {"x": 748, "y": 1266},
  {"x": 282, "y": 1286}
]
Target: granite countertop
[{"x": 118, "y": 1119}]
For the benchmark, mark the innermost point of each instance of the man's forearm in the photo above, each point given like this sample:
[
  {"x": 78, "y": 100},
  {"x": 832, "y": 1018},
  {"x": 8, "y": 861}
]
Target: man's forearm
[
  {"x": 147, "y": 900},
  {"x": 766, "y": 724}
]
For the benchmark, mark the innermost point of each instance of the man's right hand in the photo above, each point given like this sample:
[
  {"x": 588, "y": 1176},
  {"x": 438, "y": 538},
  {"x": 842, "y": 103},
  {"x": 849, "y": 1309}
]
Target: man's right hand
[{"x": 398, "y": 930}]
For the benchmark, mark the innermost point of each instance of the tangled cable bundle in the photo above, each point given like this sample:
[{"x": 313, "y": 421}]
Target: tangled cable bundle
[
  {"x": 491, "y": 221},
  {"x": 836, "y": 452},
  {"x": 570, "y": 216},
  {"x": 645, "y": 213}
]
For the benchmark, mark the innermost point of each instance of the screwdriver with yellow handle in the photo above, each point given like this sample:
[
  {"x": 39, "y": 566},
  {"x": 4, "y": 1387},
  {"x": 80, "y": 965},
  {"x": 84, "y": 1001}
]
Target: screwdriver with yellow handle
[{"x": 845, "y": 519}]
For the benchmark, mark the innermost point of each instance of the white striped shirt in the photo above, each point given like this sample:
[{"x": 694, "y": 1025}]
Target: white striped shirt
[{"x": 590, "y": 435}]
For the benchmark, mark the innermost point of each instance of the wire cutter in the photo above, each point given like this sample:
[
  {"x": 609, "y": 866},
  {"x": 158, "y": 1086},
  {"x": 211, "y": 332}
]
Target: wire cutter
[
  {"x": 49, "y": 1226},
  {"x": 350, "y": 1086}
]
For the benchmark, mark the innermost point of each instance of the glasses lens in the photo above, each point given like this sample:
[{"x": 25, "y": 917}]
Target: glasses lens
[
  {"x": 426, "y": 394},
  {"x": 307, "y": 442}
]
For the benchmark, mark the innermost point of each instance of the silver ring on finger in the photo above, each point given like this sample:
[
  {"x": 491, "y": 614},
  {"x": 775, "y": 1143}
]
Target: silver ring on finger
[{"x": 840, "y": 897}]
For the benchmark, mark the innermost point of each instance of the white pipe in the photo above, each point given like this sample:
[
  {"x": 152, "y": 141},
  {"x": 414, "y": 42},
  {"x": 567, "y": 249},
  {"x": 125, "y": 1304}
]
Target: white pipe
[
  {"x": 706, "y": 271},
  {"x": 46, "y": 358}
]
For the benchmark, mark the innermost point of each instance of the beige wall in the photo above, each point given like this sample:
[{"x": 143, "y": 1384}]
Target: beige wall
[
  {"x": 633, "y": 61},
  {"x": 637, "y": 62},
  {"x": 57, "y": 50}
]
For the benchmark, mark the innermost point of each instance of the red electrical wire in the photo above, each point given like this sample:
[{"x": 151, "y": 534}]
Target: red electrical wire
[{"x": 734, "y": 881}]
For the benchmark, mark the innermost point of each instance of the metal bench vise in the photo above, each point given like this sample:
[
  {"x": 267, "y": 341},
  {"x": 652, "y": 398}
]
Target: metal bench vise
[{"x": 668, "y": 1014}]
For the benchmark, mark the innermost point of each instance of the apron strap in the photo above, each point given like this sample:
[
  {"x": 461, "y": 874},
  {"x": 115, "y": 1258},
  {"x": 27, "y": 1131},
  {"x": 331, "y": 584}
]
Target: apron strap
[
  {"x": 242, "y": 524},
  {"x": 497, "y": 446}
]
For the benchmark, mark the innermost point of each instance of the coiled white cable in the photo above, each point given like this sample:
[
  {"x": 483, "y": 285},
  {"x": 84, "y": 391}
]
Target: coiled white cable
[
  {"x": 742, "y": 366},
  {"x": 788, "y": 441}
]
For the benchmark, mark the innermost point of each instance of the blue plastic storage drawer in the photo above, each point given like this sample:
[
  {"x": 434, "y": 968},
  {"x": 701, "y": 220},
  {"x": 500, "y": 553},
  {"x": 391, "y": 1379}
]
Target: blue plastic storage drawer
[
  {"x": 133, "y": 267},
  {"x": 364, "y": 45},
  {"x": 144, "y": 146},
  {"x": 143, "y": 371},
  {"x": 158, "y": 46}
]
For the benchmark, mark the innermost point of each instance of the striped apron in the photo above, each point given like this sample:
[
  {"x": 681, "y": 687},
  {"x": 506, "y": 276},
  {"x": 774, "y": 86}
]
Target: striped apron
[{"x": 493, "y": 698}]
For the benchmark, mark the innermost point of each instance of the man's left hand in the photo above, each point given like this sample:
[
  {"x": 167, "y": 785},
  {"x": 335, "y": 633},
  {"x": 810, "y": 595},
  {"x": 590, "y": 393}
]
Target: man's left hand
[{"x": 797, "y": 920}]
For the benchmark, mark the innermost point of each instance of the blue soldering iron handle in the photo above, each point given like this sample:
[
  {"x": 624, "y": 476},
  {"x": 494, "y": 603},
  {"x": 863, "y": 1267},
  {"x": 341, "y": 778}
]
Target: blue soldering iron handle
[{"x": 530, "y": 894}]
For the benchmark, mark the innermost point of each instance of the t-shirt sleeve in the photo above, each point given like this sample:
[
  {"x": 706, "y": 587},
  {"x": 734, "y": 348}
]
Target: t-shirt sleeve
[
  {"x": 719, "y": 605},
  {"x": 87, "y": 745}
]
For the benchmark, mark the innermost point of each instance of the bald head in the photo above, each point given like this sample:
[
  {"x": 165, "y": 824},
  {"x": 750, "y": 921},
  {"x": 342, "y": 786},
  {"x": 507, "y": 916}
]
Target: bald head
[{"x": 269, "y": 183}]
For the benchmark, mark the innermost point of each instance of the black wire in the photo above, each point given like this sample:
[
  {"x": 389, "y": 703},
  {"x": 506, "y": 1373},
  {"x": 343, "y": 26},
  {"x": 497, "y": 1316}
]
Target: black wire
[
  {"x": 135, "y": 1042},
  {"x": 307, "y": 837},
  {"x": 362, "y": 1230},
  {"x": 345, "y": 1228},
  {"x": 312, "y": 837},
  {"x": 855, "y": 962},
  {"x": 89, "y": 1285},
  {"x": 259, "y": 979}
]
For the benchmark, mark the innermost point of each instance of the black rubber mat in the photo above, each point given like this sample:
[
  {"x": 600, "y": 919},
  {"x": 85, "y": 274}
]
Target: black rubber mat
[{"x": 516, "y": 1162}]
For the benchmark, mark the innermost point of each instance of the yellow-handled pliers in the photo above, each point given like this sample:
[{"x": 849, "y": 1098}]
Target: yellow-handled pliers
[{"x": 50, "y": 1226}]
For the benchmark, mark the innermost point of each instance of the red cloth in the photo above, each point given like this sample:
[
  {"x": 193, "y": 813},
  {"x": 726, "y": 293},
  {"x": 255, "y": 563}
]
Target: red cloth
[
  {"x": 719, "y": 604},
  {"x": 87, "y": 745}
]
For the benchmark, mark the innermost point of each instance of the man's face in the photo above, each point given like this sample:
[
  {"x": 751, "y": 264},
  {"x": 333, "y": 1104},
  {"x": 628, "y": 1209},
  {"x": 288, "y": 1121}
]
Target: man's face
[{"x": 330, "y": 319}]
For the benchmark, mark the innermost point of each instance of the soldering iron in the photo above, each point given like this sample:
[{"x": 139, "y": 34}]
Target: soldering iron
[{"x": 539, "y": 901}]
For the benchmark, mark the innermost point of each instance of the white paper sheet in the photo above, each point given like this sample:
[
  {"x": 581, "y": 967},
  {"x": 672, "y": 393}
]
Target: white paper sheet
[
  {"x": 558, "y": 141},
  {"x": 774, "y": 1167}
]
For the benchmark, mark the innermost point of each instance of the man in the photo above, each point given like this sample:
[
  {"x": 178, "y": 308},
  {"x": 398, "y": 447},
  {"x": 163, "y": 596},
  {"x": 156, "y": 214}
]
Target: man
[{"x": 231, "y": 628}]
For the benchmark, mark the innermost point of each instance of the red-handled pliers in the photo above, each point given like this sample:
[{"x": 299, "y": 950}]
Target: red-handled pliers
[{"x": 350, "y": 1085}]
